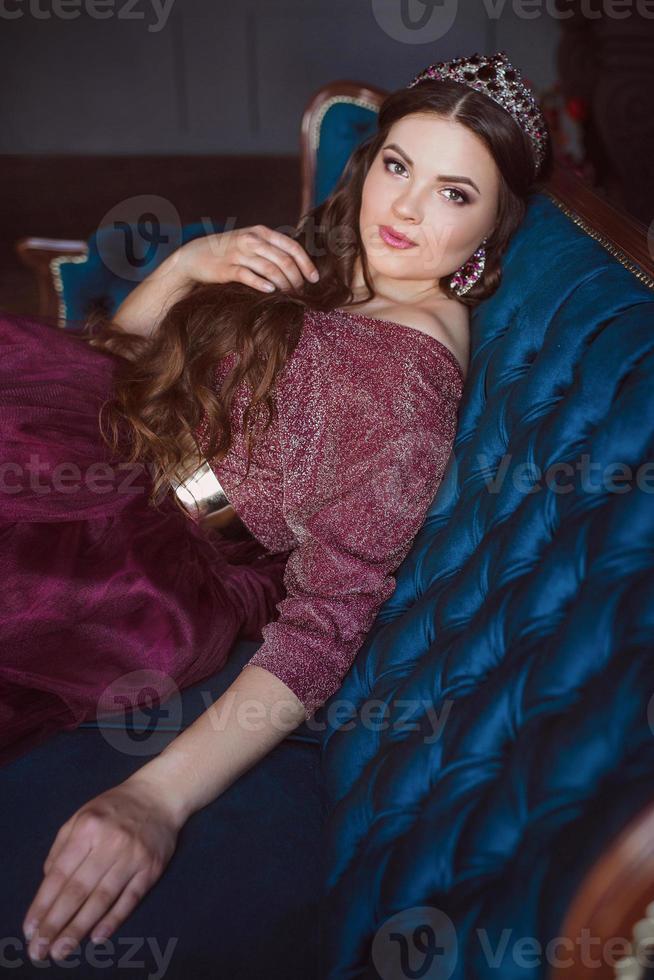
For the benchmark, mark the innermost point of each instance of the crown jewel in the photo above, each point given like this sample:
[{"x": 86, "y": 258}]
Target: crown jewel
[{"x": 497, "y": 78}]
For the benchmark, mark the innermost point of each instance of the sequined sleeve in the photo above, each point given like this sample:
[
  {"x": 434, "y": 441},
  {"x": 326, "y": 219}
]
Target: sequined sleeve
[{"x": 365, "y": 443}]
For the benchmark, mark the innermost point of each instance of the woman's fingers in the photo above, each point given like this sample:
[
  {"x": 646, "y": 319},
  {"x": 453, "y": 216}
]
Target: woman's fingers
[
  {"x": 266, "y": 270},
  {"x": 295, "y": 251},
  {"x": 112, "y": 900},
  {"x": 72, "y": 854},
  {"x": 270, "y": 266},
  {"x": 275, "y": 257},
  {"x": 286, "y": 255},
  {"x": 100, "y": 864},
  {"x": 256, "y": 256},
  {"x": 131, "y": 894},
  {"x": 63, "y": 896},
  {"x": 242, "y": 274},
  {"x": 73, "y": 869}
]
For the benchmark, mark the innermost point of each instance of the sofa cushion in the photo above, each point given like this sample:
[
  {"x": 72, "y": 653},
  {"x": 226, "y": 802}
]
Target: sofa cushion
[
  {"x": 515, "y": 658},
  {"x": 243, "y": 889},
  {"x": 240, "y": 897}
]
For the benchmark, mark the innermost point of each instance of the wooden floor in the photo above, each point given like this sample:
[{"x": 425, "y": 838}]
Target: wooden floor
[{"x": 69, "y": 196}]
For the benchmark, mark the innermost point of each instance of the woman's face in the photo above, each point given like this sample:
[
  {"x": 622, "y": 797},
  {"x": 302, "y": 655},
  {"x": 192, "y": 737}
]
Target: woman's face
[{"x": 438, "y": 185}]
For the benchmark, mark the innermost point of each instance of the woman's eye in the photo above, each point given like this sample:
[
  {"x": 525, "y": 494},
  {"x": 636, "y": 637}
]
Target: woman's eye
[
  {"x": 461, "y": 197},
  {"x": 394, "y": 163}
]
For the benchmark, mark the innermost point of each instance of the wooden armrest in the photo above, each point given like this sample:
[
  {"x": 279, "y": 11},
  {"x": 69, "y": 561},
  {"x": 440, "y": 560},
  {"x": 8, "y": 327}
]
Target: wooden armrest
[
  {"x": 620, "y": 233},
  {"x": 37, "y": 254},
  {"x": 612, "y": 898}
]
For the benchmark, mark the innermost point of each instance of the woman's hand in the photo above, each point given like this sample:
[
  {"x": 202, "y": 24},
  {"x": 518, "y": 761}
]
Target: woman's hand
[
  {"x": 101, "y": 864},
  {"x": 257, "y": 256}
]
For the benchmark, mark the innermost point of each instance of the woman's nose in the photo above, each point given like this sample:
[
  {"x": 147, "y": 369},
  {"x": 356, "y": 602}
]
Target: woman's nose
[{"x": 407, "y": 207}]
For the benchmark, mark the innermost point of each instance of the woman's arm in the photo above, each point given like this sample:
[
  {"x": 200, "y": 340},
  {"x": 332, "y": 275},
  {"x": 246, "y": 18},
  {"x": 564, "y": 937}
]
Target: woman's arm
[
  {"x": 144, "y": 308},
  {"x": 258, "y": 256},
  {"x": 254, "y": 714},
  {"x": 111, "y": 851}
]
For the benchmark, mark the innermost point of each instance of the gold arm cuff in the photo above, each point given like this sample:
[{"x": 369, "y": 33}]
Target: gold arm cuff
[{"x": 201, "y": 493}]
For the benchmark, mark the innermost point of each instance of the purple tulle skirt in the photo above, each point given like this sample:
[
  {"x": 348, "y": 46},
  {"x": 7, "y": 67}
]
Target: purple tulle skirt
[{"x": 96, "y": 584}]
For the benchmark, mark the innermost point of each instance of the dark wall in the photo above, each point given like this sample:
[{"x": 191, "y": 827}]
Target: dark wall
[
  {"x": 198, "y": 101},
  {"x": 212, "y": 77}
]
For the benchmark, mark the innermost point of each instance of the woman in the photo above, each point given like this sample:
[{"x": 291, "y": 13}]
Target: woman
[{"x": 357, "y": 379}]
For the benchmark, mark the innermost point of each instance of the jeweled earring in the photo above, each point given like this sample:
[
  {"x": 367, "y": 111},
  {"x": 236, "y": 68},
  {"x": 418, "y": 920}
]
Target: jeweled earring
[{"x": 470, "y": 272}]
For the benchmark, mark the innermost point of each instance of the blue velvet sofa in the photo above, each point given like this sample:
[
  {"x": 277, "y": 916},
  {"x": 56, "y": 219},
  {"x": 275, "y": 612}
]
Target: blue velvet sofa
[{"x": 480, "y": 791}]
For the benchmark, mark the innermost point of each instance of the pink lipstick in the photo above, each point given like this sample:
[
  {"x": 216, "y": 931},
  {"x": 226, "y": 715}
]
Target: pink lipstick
[{"x": 394, "y": 238}]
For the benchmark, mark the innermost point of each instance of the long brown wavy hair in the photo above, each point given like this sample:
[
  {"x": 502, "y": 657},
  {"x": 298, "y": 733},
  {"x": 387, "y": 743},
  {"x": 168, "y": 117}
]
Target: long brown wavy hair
[{"x": 165, "y": 383}]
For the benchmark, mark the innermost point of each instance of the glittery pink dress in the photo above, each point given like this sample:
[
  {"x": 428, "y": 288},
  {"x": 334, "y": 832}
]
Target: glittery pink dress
[{"x": 97, "y": 584}]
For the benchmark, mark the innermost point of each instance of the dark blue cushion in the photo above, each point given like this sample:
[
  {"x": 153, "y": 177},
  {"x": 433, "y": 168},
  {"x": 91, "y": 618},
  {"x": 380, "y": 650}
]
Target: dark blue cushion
[
  {"x": 241, "y": 896},
  {"x": 516, "y": 655}
]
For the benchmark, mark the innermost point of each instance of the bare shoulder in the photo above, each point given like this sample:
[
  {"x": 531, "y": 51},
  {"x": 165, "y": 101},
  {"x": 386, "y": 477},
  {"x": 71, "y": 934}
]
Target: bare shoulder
[{"x": 449, "y": 323}]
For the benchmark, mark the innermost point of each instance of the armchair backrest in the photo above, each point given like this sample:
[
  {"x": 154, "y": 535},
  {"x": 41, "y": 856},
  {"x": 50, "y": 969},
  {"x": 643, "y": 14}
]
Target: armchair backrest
[
  {"x": 337, "y": 118},
  {"x": 76, "y": 278}
]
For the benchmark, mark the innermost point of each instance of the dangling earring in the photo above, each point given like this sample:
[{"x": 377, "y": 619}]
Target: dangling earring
[{"x": 470, "y": 272}]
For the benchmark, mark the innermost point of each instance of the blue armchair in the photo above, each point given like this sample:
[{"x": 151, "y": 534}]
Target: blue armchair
[
  {"x": 75, "y": 278},
  {"x": 479, "y": 792}
]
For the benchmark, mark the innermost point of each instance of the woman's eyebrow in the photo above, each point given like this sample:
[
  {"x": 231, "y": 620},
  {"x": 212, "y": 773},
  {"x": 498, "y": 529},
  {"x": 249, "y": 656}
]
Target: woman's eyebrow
[{"x": 460, "y": 179}]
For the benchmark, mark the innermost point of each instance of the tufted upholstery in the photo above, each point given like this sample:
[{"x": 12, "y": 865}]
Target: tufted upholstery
[{"x": 516, "y": 656}]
